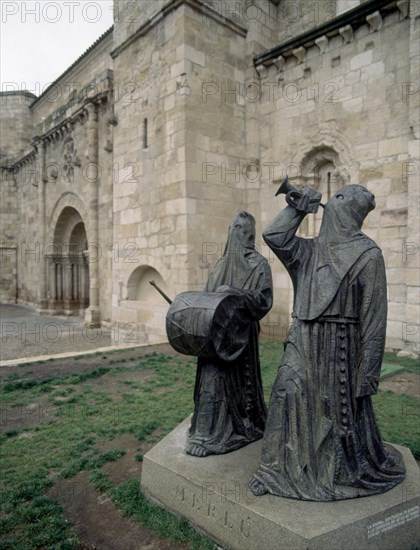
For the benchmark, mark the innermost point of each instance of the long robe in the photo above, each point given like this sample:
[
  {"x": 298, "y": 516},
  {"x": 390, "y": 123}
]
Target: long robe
[
  {"x": 230, "y": 411},
  {"x": 321, "y": 441}
]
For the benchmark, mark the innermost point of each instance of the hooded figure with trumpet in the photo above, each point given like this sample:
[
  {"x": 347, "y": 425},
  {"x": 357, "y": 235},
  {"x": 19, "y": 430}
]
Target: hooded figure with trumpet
[{"x": 321, "y": 440}]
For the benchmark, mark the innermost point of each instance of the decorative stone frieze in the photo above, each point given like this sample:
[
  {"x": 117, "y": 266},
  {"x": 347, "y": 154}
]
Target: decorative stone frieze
[
  {"x": 375, "y": 21},
  {"x": 70, "y": 159},
  {"x": 403, "y": 6},
  {"x": 182, "y": 86},
  {"x": 299, "y": 53},
  {"x": 347, "y": 33},
  {"x": 322, "y": 43},
  {"x": 262, "y": 71},
  {"x": 280, "y": 63},
  {"x": 112, "y": 120}
]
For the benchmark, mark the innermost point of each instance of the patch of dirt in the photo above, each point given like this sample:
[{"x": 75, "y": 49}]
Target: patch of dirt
[
  {"x": 126, "y": 467},
  {"x": 402, "y": 382},
  {"x": 99, "y": 524},
  {"x": 76, "y": 365},
  {"x": 114, "y": 384},
  {"x": 28, "y": 415},
  {"x": 24, "y": 416}
]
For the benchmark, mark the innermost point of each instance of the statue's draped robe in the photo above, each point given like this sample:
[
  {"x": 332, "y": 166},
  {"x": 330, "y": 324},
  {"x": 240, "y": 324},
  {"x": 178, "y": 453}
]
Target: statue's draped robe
[
  {"x": 321, "y": 440},
  {"x": 229, "y": 405}
]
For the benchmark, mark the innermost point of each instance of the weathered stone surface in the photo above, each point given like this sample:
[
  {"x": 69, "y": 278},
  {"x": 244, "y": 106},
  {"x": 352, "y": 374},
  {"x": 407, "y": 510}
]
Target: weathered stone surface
[
  {"x": 350, "y": 108},
  {"x": 212, "y": 494}
]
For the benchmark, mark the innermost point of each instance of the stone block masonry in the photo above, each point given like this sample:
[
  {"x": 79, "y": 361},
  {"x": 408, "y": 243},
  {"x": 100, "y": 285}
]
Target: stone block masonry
[{"x": 202, "y": 109}]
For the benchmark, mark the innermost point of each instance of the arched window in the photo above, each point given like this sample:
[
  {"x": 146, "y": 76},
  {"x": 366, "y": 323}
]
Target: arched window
[
  {"x": 320, "y": 170},
  {"x": 145, "y": 144}
]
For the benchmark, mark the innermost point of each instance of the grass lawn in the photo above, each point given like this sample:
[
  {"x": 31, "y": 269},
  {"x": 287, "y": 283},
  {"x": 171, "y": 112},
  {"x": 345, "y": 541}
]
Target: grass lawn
[{"x": 60, "y": 423}]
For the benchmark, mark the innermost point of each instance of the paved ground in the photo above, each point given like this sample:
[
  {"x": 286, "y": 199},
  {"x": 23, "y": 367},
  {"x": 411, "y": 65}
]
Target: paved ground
[{"x": 25, "y": 333}]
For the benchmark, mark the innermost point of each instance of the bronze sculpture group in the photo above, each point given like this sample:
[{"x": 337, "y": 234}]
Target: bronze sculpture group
[{"x": 320, "y": 438}]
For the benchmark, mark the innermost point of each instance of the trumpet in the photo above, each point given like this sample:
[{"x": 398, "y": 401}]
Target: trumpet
[{"x": 298, "y": 200}]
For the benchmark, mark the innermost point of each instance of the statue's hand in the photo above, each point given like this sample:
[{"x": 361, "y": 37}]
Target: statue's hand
[
  {"x": 312, "y": 194},
  {"x": 306, "y": 200}
]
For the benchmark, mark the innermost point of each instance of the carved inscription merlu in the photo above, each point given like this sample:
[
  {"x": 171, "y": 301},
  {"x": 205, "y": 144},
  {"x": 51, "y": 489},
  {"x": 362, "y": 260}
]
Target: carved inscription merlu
[{"x": 204, "y": 503}]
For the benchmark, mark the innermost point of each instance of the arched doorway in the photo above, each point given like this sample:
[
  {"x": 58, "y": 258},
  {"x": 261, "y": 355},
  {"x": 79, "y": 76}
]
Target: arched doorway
[{"x": 68, "y": 266}]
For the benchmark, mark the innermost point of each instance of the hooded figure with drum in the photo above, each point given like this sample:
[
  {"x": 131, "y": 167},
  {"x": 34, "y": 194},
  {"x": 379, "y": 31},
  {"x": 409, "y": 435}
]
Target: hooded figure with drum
[{"x": 220, "y": 326}]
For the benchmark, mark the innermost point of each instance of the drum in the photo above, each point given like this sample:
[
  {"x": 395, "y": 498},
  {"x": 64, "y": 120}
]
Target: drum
[{"x": 208, "y": 324}]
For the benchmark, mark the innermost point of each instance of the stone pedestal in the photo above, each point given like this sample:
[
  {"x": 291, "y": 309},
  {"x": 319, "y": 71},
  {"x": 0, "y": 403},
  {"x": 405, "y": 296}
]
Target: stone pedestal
[{"x": 212, "y": 494}]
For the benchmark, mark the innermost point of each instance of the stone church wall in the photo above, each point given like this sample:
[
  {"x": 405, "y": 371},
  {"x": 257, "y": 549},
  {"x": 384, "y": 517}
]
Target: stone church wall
[
  {"x": 187, "y": 68},
  {"x": 150, "y": 207},
  {"x": 42, "y": 184},
  {"x": 9, "y": 223},
  {"x": 352, "y": 100},
  {"x": 213, "y": 62},
  {"x": 16, "y": 124},
  {"x": 29, "y": 247},
  {"x": 147, "y": 146}
]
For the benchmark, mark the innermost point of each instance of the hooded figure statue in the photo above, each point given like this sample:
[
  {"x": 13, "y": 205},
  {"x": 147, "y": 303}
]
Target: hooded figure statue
[
  {"x": 321, "y": 441},
  {"x": 229, "y": 405}
]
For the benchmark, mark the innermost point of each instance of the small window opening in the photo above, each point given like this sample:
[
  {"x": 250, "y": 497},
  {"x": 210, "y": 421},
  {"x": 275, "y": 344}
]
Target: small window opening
[{"x": 145, "y": 145}]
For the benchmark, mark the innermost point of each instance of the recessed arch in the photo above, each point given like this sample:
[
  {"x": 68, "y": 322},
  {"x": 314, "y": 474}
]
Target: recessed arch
[
  {"x": 139, "y": 287},
  {"x": 68, "y": 220},
  {"x": 78, "y": 239},
  {"x": 67, "y": 200},
  {"x": 155, "y": 263},
  {"x": 140, "y": 305}
]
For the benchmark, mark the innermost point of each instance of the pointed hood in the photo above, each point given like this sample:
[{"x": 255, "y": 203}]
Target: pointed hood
[
  {"x": 337, "y": 248},
  {"x": 239, "y": 258}
]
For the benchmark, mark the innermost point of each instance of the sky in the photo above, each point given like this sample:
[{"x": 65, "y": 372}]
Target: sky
[{"x": 40, "y": 39}]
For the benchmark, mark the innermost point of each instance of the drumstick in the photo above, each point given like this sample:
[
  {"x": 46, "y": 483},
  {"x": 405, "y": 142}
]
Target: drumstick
[{"x": 161, "y": 292}]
